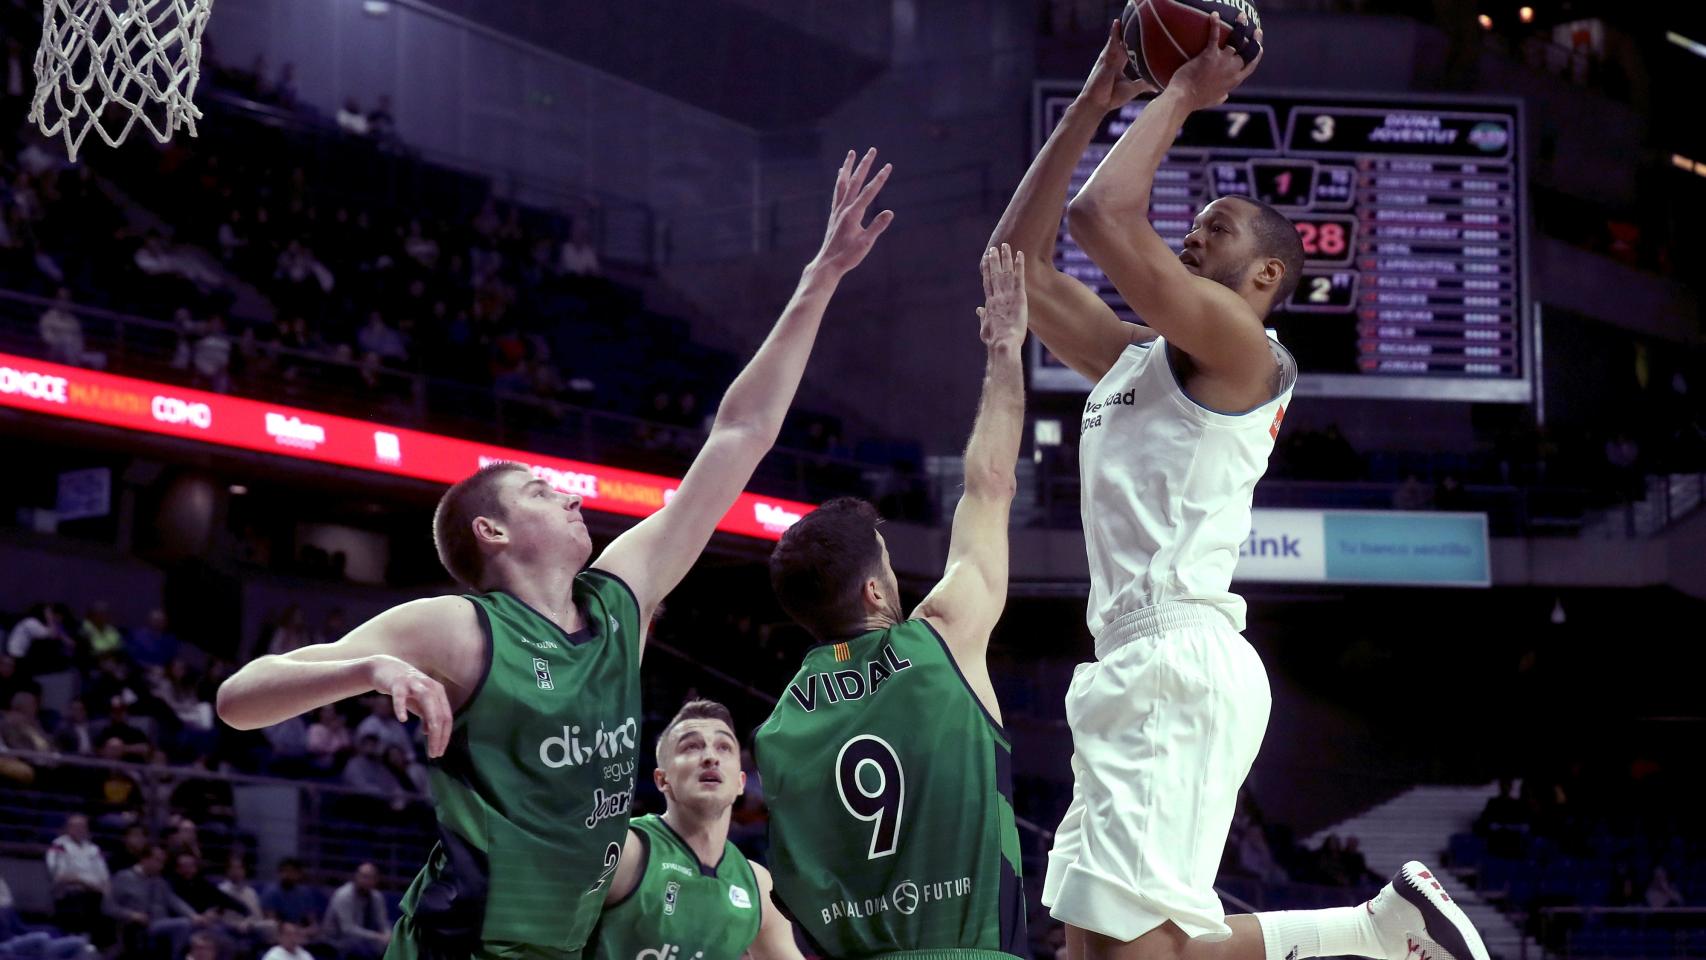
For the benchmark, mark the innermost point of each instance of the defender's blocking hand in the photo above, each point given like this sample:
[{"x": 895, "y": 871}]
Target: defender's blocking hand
[
  {"x": 848, "y": 240},
  {"x": 1004, "y": 313}
]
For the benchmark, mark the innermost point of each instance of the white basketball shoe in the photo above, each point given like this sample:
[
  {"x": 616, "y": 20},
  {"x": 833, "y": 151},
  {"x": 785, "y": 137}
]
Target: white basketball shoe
[{"x": 1415, "y": 919}]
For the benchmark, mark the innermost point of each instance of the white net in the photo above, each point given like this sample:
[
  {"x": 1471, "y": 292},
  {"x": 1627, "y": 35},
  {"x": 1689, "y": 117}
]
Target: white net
[{"x": 108, "y": 64}]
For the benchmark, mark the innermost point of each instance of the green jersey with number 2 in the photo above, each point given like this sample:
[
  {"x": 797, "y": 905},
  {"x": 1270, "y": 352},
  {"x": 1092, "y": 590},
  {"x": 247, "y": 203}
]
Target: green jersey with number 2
[{"x": 890, "y": 793}]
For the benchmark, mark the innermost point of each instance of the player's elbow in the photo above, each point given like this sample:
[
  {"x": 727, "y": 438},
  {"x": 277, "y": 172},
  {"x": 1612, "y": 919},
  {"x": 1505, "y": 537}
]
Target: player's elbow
[
  {"x": 234, "y": 708},
  {"x": 1089, "y": 219},
  {"x": 991, "y": 482}
]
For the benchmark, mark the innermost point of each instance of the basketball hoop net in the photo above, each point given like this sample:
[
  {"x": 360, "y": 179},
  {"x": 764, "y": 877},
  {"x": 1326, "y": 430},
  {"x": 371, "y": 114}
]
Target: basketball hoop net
[{"x": 106, "y": 64}]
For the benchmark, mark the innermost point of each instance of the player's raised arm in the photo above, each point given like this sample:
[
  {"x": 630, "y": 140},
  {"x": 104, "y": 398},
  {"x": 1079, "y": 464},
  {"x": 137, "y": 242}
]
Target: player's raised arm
[
  {"x": 654, "y": 555},
  {"x": 968, "y": 601},
  {"x": 1069, "y": 318},
  {"x": 1110, "y": 219},
  {"x": 399, "y": 653}
]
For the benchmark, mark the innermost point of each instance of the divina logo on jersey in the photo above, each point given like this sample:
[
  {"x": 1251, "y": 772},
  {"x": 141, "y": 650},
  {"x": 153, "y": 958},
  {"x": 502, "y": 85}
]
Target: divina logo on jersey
[
  {"x": 848, "y": 684},
  {"x": 668, "y": 951},
  {"x": 573, "y": 748}
]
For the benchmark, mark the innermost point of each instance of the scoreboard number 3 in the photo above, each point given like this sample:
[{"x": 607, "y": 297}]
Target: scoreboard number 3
[{"x": 1323, "y": 131}]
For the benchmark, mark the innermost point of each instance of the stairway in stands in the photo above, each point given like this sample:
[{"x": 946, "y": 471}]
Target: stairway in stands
[{"x": 1417, "y": 825}]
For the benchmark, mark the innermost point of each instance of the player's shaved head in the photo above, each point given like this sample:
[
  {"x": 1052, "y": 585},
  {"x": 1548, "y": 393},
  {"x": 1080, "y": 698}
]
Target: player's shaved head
[
  {"x": 820, "y": 566},
  {"x": 474, "y": 496},
  {"x": 1276, "y": 238},
  {"x": 700, "y": 709}
]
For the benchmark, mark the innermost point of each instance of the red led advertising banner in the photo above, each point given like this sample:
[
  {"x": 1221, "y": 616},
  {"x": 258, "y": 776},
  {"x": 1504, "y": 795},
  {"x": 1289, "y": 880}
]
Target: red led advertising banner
[{"x": 78, "y": 394}]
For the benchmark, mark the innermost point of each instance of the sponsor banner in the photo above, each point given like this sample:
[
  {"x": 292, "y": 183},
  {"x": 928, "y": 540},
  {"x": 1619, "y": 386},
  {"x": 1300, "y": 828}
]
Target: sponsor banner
[
  {"x": 142, "y": 405},
  {"x": 1399, "y": 548}
]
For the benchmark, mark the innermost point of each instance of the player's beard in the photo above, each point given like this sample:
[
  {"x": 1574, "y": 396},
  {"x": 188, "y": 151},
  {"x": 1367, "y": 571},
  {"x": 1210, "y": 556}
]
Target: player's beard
[{"x": 1232, "y": 278}]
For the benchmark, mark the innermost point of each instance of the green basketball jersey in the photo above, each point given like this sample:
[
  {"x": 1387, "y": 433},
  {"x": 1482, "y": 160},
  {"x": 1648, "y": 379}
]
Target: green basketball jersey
[
  {"x": 890, "y": 793},
  {"x": 533, "y": 793},
  {"x": 681, "y": 909}
]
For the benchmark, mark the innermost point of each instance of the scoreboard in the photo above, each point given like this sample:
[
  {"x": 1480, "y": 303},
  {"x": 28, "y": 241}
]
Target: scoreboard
[{"x": 1413, "y": 219}]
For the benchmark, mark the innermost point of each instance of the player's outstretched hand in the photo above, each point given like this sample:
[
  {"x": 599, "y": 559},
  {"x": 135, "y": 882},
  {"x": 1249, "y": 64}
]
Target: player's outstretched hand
[
  {"x": 1004, "y": 314},
  {"x": 1208, "y": 78},
  {"x": 848, "y": 239},
  {"x": 1109, "y": 86},
  {"x": 412, "y": 691}
]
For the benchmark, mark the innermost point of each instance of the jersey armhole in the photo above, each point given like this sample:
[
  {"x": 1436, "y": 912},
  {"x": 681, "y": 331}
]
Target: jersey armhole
[
  {"x": 645, "y": 864},
  {"x": 486, "y": 671},
  {"x": 948, "y": 652},
  {"x": 633, "y": 598}
]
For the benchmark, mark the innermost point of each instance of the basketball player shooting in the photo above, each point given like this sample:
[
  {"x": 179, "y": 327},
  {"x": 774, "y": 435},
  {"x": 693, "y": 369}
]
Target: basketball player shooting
[
  {"x": 528, "y": 686},
  {"x": 1167, "y": 720}
]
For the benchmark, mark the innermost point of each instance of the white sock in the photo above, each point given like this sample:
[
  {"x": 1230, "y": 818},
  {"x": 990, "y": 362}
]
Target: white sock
[{"x": 1334, "y": 932}]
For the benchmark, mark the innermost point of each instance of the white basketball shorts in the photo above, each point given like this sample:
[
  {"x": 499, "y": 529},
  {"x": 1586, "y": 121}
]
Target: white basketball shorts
[{"x": 1165, "y": 725}]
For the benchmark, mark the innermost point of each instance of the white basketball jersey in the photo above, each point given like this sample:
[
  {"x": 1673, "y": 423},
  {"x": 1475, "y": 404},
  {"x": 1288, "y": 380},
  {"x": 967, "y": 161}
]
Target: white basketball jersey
[{"x": 1167, "y": 485}]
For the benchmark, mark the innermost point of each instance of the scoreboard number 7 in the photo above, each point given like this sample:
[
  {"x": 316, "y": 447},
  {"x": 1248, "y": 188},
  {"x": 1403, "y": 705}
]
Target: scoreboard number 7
[{"x": 1235, "y": 123}]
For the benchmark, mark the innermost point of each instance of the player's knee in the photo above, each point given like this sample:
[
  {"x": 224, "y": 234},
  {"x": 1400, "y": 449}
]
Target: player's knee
[{"x": 1165, "y": 942}]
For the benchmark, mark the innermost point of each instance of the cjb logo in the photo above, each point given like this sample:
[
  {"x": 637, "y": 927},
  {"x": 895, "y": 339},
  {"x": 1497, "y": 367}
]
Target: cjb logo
[
  {"x": 542, "y": 673},
  {"x": 670, "y": 893}
]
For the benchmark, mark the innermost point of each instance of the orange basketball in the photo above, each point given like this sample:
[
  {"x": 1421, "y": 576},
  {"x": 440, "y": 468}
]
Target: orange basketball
[{"x": 1160, "y": 35}]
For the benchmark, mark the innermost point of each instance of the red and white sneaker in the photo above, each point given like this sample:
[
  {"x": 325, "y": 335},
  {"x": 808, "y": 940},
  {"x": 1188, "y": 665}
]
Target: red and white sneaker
[{"x": 1415, "y": 919}]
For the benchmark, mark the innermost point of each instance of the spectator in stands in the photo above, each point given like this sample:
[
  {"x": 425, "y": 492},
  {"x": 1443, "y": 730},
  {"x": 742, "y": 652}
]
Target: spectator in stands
[
  {"x": 21, "y": 727},
  {"x": 578, "y": 257},
  {"x": 134, "y": 744},
  {"x": 179, "y": 689},
  {"x": 1661, "y": 893},
  {"x": 232, "y": 237},
  {"x": 11, "y": 681},
  {"x": 410, "y": 777},
  {"x": 183, "y": 838},
  {"x": 291, "y": 900},
  {"x": 148, "y": 914},
  {"x": 328, "y": 740},
  {"x": 1356, "y": 869},
  {"x": 153, "y": 644},
  {"x": 289, "y": 947},
  {"x": 133, "y": 846},
  {"x": 357, "y": 921},
  {"x": 381, "y": 722},
  {"x": 156, "y": 258},
  {"x": 381, "y": 340},
  {"x": 420, "y": 247},
  {"x": 119, "y": 797},
  {"x": 380, "y": 122},
  {"x": 351, "y": 120},
  {"x": 207, "y": 801},
  {"x": 77, "y": 869},
  {"x": 1503, "y": 822},
  {"x": 1251, "y": 852},
  {"x": 211, "y": 357},
  {"x": 62, "y": 332},
  {"x": 202, "y": 894},
  {"x": 75, "y": 735},
  {"x": 288, "y": 740},
  {"x": 1623, "y": 891},
  {"x": 366, "y": 771},
  {"x": 19, "y": 942},
  {"x": 292, "y": 632},
  {"x": 40, "y": 643},
  {"x": 203, "y": 946},
  {"x": 235, "y": 884}
]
